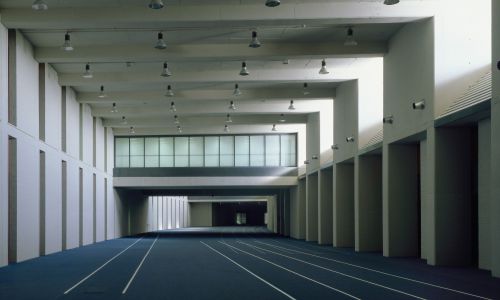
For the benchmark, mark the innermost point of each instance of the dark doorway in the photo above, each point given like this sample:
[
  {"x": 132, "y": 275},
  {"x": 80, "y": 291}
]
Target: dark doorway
[{"x": 238, "y": 213}]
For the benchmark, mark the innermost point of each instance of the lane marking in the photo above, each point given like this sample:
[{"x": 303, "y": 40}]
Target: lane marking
[
  {"x": 337, "y": 272},
  {"x": 381, "y": 272},
  {"x": 255, "y": 248},
  {"x": 138, "y": 267},
  {"x": 295, "y": 273},
  {"x": 253, "y": 274},
  {"x": 98, "y": 269}
]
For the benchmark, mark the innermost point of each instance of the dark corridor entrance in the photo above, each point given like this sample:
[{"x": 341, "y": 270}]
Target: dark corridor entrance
[{"x": 239, "y": 213}]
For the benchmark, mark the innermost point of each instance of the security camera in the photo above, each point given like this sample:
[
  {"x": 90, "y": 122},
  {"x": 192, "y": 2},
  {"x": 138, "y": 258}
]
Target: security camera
[
  {"x": 349, "y": 139},
  {"x": 418, "y": 105},
  {"x": 306, "y": 162},
  {"x": 314, "y": 157},
  {"x": 388, "y": 120},
  {"x": 335, "y": 147},
  {"x": 273, "y": 3}
]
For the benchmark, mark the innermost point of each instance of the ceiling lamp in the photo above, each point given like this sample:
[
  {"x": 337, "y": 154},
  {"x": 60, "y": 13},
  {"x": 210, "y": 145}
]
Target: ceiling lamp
[
  {"x": 274, "y": 128},
  {"x": 166, "y": 72},
  {"x": 291, "y": 106},
  {"x": 179, "y": 129},
  {"x": 282, "y": 118},
  {"x": 87, "y": 74},
  {"x": 172, "y": 107},
  {"x": 132, "y": 130},
  {"x": 272, "y": 3},
  {"x": 323, "y": 70},
  {"x": 160, "y": 44},
  {"x": 254, "y": 43},
  {"x": 124, "y": 121},
  {"x": 391, "y": 2},
  {"x": 350, "y": 41},
  {"x": 170, "y": 92},
  {"x": 237, "y": 91},
  {"x": 228, "y": 119},
  {"x": 39, "y": 5},
  {"x": 176, "y": 120},
  {"x": 102, "y": 94},
  {"x": 156, "y": 4},
  {"x": 244, "y": 70},
  {"x": 232, "y": 106},
  {"x": 305, "y": 89},
  {"x": 67, "y": 43},
  {"x": 114, "y": 110},
  {"x": 226, "y": 128}
]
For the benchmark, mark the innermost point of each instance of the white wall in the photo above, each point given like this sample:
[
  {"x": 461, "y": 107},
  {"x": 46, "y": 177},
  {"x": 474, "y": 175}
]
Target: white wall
[
  {"x": 167, "y": 212},
  {"x": 346, "y": 120},
  {"x": 201, "y": 214},
  {"x": 3, "y": 147}
]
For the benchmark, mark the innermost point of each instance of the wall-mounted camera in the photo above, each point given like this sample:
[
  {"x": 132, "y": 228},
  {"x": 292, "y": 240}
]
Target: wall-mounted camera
[
  {"x": 388, "y": 120},
  {"x": 314, "y": 157},
  {"x": 335, "y": 147},
  {"x": 306, "y": 162},
  {"x": 349, "y": 139},
  {"x": 418, "y": 105}
]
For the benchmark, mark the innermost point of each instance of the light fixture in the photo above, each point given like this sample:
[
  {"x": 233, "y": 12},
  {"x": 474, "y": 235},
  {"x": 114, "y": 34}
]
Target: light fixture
[
  {"x": 350, "y": 41},
  {"x": 291, "y": 106},
  {"x": 67, "y": 43},
  {"x": 286, "y": 61},
  {"x": 314, "y": 157},
  {"x": 124, "y": 121},
  {"x": 170, "y": 92},
  {"x": 305, "y": 89},
  {"x": 272, "y": 3},
  {"x": 176, "y": 120},
  {"x": 172, "y": 107},
  {"x": 237, "y": 91},
  {"x": 418, "y": 105},
  {"x": 102, "y": 94},
  {"x": 228, "y": 119},
  {"x": 282, "y": 118},
  {"x": 87, "y": 74},
  {"x": 391, "y": 2},
  {"x": 323, "y": 70},
  {"x": 254, "y": 43},
  {"x": 156, "y": 4},
  {"x": 306, "y": 162},
  {"x": 335, "y": 147},
  {"x": 179, "y": 129},
  {"x": 388, "y": 120},
  {"x": 349, "y": 139},
  {"x": 226, "y": 128},
  {"x": 166, "y": 72},
  {"x": 274, "y": 128},
  {"x": 39, "y": 5},
  {"x": 114, "y": 110},
  {"x": 232, "y": 106},
  {"x": 244, "y": 70},
  {"x": 160, "y": 44},
  {"x": 132, "y": 130}
]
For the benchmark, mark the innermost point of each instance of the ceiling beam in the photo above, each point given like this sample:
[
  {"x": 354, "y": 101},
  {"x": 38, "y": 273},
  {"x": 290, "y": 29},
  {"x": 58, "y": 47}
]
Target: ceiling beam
[
  {"x": 208, "y": 52},
  {"x": 239, "y": 15}
]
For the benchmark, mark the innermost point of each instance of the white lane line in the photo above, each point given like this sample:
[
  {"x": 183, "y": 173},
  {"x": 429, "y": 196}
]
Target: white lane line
[
  {"x": 293, "y": 272},
  {"x": 337, "y": 272},
  {"x": 98, "y": 269},
  {"x": 381, "y": 272},
  {"x": 255, "y": 248},
  {"x": 253, "y": 274},
  {"x": 138, "y": 267}
]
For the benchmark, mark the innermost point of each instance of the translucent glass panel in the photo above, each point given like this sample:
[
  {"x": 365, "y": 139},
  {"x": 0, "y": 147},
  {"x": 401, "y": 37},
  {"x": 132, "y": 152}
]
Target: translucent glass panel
[
  {"x": 211, "y": 151},
  {"x": 122, "y": 153},
  {"x": 166, "y": 152},
  {"x": 196, "y": 151},
  {"x": 257, "y": 151},
  {"x": 227, "y": 151},
  {"x": 181, "y": 152},
  {"x": 242, "y": 151},
  {"x": 272, "y": 150},
  {"x": 136, "y": 152},
  {"x": 288, "y": 150},
  {"x": 152, "y": 152}
]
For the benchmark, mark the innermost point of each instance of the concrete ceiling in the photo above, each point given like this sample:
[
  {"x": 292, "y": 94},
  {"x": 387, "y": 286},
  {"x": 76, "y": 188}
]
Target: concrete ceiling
[{"x": 206, "y": 43}]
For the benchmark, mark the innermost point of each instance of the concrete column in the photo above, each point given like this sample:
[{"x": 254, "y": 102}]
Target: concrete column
[
  {"x": 325, "y": 207},
  {"x": 401, "y": 200},
  {"x": 495, "y": 144},
  {"x": 302, "y": 208},
  {"x": 312, "y": 207},
  {"x": 343, "y": 205},
  {"x": 484, "y": 199},
  {"x": 368, "y": 203}
]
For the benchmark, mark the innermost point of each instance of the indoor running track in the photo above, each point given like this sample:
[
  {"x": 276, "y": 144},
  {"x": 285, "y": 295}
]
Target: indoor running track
[{"x": 160, "y": 266}]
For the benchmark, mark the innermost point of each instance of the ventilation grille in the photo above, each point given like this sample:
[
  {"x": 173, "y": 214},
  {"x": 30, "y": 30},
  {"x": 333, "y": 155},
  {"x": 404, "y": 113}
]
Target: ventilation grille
[
  {"x": 476, "y": 93},
  {"x": 377, "y": 138}
]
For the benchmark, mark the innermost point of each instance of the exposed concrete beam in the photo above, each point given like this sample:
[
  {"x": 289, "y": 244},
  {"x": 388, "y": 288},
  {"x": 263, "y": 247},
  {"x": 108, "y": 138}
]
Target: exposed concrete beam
[
  {"x": 240, "y": 15},
  {"x": 206, "y": 95},
  {"x": 208, "y": 52}
]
